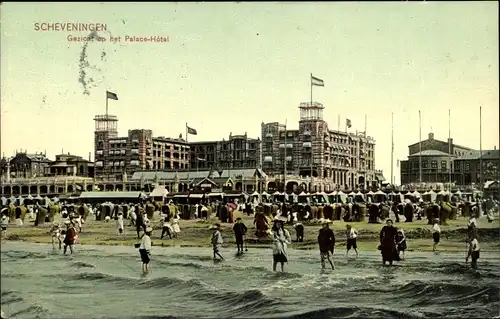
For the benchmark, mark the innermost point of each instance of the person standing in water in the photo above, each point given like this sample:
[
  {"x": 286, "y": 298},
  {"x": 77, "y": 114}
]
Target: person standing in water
[
  {"x": 119, "y": 223},
  {"x": 217, "y": 242},
  {"x": 352, "y": 236},
  {"x": 326, "y": 241},
  {"x": 473, "y": 251},
  {"x": 299, "y": 230},
  {"x": 436, "y": 234},
  {"x": 167, "y": 228},
  {"x": 5, "y": 224},
  {"x": 281, "y": 238},
  {"x": 388, "y": 243},
  {"x": 240, "y": 230},
  {"x": 70, "y": 237},
  {"x": 145, "y": 250},
  {"x": 401, "y": 242},
  {"x": 55, "y": 232}
]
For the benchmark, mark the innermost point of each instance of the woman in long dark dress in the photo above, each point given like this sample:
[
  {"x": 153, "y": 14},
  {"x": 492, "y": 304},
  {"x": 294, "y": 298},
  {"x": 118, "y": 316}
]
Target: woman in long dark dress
[{"x": 388, "y": 246}]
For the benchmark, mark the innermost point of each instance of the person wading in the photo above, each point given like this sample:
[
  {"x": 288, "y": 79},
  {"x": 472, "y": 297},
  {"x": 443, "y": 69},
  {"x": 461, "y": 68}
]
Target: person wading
[
  {"x": 70, "y": 237},
  {"x": 281, "y": 238},
  {"x": 436, "y": 234},
  {"x": 217, "y": 241},
  {"x": 388, "y": 243},
  {"x": 145, "y": 250},
  {"x": 5, "y": 224},
  {"x": 401, "y": 242},
  {"x": 473, "y": 251},
  {"x": 352, "y": 236},
  {"x": 55, "y": 232},
  {"x": 299, "y": 231},
  {"x": 326, "y": 241},
  {"x": 240, "y": 230}
]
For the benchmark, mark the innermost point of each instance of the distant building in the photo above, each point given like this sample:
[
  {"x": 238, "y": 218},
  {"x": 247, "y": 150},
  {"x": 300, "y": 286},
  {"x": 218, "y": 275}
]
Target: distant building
[
  {"x": 70, "y": 165},
  {"x": 238, "y": 152},
  {"x": 336, "y": 158},
  {"x": 116, "y": 157},
  {"x": 442, "y": 160},
  {"x": 26, "y": 165}
]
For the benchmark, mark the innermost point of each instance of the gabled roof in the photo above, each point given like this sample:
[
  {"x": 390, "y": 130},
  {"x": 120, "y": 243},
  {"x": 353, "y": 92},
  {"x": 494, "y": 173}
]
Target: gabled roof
[
  {"x": 429, "y": 153},
  {"x": 207, "y": 181}
]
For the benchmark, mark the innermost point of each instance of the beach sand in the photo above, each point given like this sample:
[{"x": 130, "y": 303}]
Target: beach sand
[{"x": 196, "y": 233}]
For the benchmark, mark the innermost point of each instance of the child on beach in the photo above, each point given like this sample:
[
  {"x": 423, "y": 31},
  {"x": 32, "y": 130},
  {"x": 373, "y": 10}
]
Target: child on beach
[
  {"x": 176, "y": 227},
  {"x": 70, "y": 238},
  {"x": 5, "y": 224},
  {"x": 167, "y": 228},
  {"x": 55, "y": 232},
  {"x": 119, "y": 223},
  {"x": 436, "y": 233},
  {"x": 352, "y": 235},
  {"x": 145, "y": 250},
  {"x": 473, "y": 251},
  {"x": 217, "y": 241},
  {"x": 401, "y": 242}
]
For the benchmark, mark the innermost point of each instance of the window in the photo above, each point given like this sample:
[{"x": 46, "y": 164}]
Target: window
[
  {"x": 443, "y": 164},
  {"x": 467, "y": 167},
  {"x": 425, "y": 164},
  {"x": 434, "y": 164},
  {"x": 478, "y": 167}
]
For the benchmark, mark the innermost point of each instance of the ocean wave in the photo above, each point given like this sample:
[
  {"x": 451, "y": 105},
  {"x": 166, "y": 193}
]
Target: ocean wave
[
  {"x": 355, "y": 312},
  {"x": 81, "y": 264}
]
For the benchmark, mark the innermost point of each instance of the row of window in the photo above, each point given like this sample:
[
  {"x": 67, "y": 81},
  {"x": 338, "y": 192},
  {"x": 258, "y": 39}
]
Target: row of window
[{"x": 444, "y": 165}]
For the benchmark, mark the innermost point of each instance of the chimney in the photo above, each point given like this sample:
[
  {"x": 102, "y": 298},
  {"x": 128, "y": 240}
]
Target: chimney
[
  {"x": 89, "y": 157},
  {"x": 431, "y": 136},
  {"x": 495, "y": 148}
]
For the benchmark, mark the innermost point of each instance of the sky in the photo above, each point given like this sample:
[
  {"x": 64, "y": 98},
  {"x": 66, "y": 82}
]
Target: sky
[{"x": 228, "y": 67}]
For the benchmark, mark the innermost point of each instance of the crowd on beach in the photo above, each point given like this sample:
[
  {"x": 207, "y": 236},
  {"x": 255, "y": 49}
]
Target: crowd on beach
[{"x": 393, "y": 243}]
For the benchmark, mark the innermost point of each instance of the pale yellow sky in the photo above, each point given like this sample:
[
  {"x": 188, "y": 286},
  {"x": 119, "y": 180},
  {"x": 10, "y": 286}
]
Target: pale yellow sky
[{"x": 230, "y": 66}]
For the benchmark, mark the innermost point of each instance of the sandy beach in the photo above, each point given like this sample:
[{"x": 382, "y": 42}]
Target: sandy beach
[{"x": 196, "y": 233}]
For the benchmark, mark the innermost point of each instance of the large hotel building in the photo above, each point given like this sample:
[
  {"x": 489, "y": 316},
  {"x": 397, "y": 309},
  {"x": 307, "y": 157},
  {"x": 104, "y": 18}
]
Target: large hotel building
[{"x": 345, "y": 159}]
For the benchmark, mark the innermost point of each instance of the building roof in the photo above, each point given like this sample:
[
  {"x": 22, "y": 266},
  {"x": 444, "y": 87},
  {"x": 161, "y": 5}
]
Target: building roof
[
  {"x": 112, "y": 195},
  {"x": 429, "y": 153},
  {"x": 186, "y": 175},
  {"x": 475, "y": 155}
]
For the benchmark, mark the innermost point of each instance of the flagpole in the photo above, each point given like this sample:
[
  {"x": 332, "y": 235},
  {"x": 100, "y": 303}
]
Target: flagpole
[
  {"x": 189, "y": 157},
  {"x": 449, "y": 148},
  {"x": 311, "y": 89},
  {"x": 392, "y": 149},
  {"x": 107, "y": 105},
  {"x": 420, "y": 147},
  {"x": 284, "y": 171},
  {"x": 481, "y": 147}
]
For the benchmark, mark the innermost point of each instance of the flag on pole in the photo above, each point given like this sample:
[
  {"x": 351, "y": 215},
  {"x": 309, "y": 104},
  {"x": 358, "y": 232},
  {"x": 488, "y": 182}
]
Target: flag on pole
[
  {"x": 348, "y": 123},
  {"x": 111, "y": 95},
  {"x": 191, "y": 130},
  {"x": 316, "y": 81}
]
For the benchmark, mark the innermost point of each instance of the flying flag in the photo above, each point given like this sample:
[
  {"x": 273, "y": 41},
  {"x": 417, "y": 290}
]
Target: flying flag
[
  {"x": 316, "y": 81},
  {"x": 191, "y": 130},
  {"x": 348, "y": 123},
  {"x": 111, "y": 95}
]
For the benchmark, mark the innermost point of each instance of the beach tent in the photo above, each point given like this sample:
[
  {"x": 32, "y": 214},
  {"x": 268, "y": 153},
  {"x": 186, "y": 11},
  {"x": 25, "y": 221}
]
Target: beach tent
[
  {"x": 159, "y": 193},
  {"x": 255, "y": 194},
  {"x": 55, "y": 199},
  {"x": 3, "y": 201},
  {"x": 12, "y": 200},
  {"x": 441, "y": 195},
  {"x": 429, "y": 196},
  {"x": 370, "y": 193},
  {"x": 265, "y": 194},
  {"x": 351, "y": 194},
  {"x": 46, "y": 201},
  {"x": 415, "y": 194},
  {"x": 29, "y": 197},
  {"x": 379, "y": 196},
  {"x": 276, "y": 193},
  {"x": 20, "y": 200}
]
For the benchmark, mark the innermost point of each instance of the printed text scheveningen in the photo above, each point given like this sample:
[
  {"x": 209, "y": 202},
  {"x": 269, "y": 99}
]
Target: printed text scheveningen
[{"x": 70, "y": 26}]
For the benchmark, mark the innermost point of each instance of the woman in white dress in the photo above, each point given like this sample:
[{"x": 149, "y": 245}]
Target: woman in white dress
[
  {"x": 281, "y": 239},
  {"x": 176, "y": 227},
  {"x": 119, "y": 223}
]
